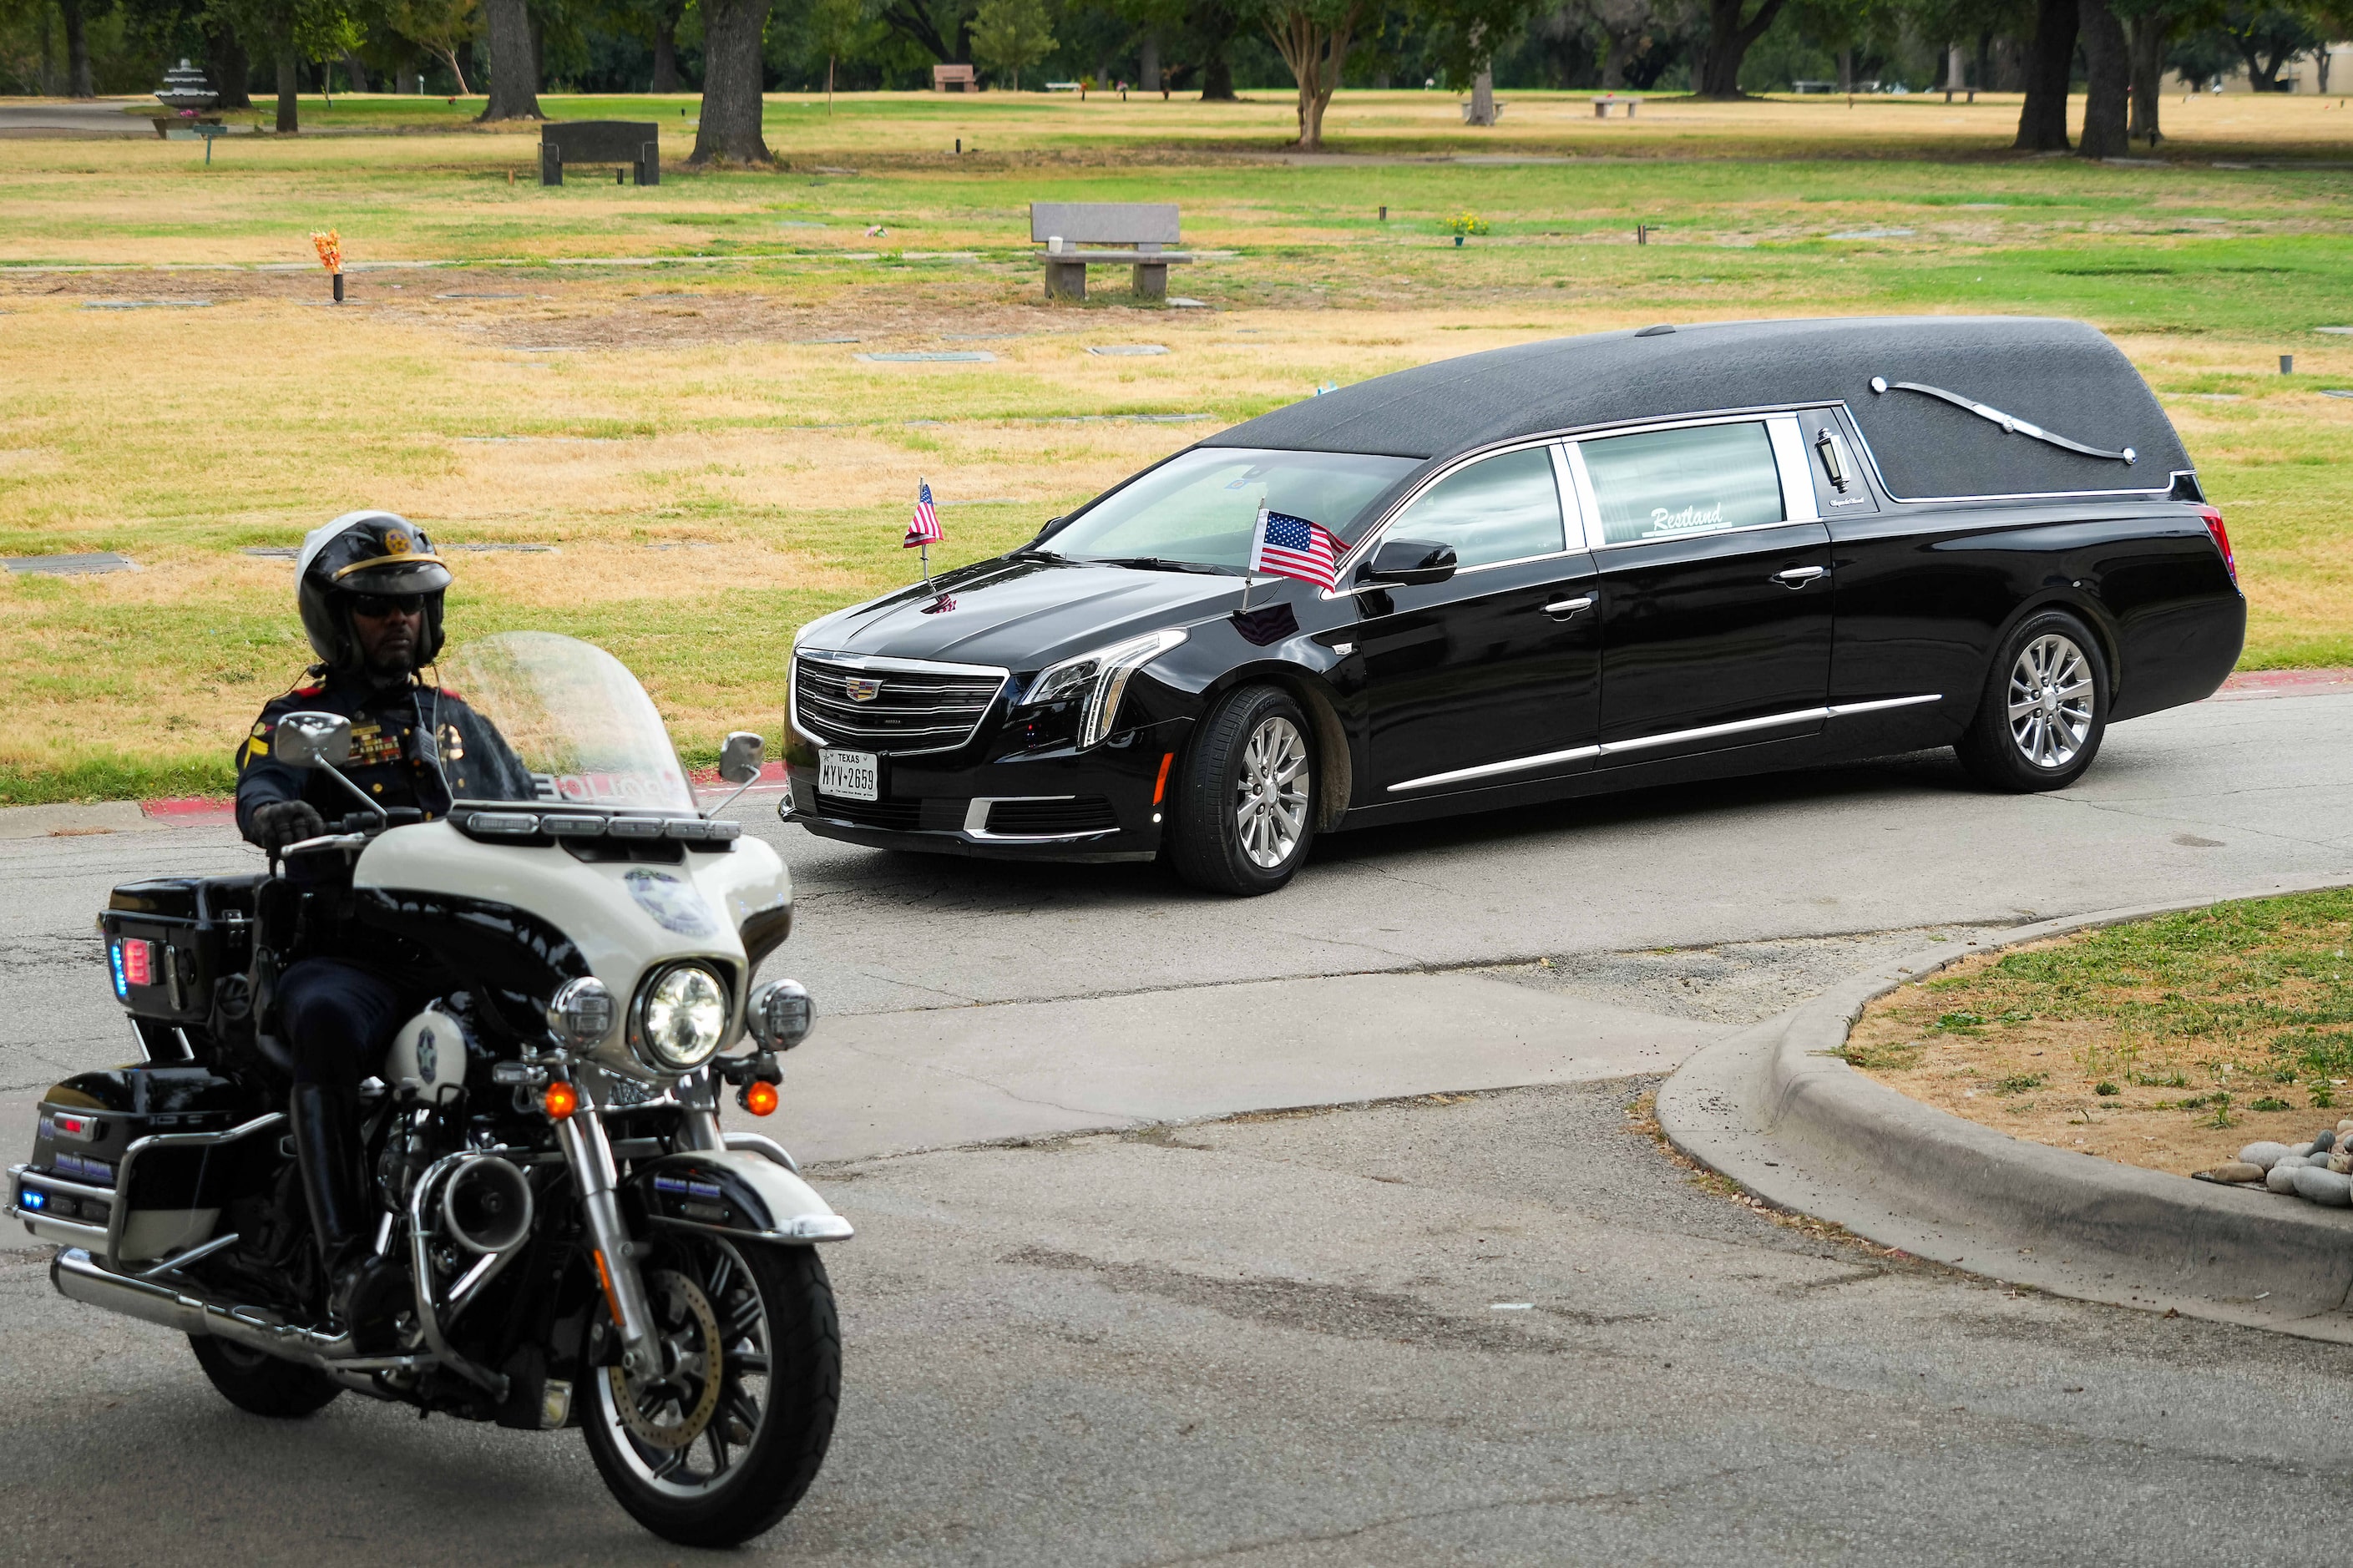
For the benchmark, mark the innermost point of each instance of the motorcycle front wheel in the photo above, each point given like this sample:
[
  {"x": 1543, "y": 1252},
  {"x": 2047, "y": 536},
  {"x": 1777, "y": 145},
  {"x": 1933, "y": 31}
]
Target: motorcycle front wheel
[{"x": 722, "y": 1445}]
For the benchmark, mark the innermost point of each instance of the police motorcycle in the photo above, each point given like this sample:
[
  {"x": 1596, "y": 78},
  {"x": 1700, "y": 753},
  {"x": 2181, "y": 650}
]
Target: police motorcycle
[{"x": 576, "y": 1240}]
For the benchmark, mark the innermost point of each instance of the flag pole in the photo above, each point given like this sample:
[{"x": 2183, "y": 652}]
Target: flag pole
[{"x": 1258, "y": 537}]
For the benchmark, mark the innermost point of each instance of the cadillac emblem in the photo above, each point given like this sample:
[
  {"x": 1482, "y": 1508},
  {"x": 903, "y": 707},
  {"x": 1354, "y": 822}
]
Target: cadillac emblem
[{"x": 861, "y": 688}]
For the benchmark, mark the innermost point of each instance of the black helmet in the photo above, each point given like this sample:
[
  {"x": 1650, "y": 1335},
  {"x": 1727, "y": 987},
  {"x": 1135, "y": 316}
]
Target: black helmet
[{"x": 365, "y": 553}]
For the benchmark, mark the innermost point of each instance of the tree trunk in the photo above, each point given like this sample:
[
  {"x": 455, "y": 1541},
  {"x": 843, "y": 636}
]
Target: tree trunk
[
  {"x": 1217, "y": 78},
  {"x": 1482, "y": 97},
  {"x": 1613, "y": 61},
  {"x": 1316, "y": 55},
  {"x": 2148, "y": 35},
  {"x": 1728, "y": 42},
  {"x": 78, "y": 83},
  {"x": 2109, "y": 89},
  {"x": 2043, "y": 121},
  {"x": 225, "y": 63},
  {"x": 514, "y": 75},
  {"x": 1147, "y": 63},
  {"x": 358, "y": 68},
  {"x": 666, "y": 48},
  {"x": 731, "y": 78},
  {"x": 289, "y": 96}
]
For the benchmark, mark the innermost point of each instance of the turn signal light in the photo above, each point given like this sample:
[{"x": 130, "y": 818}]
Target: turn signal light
[
  {"x": 560, "y": 1100},
  {"x": 759, "y": 1098}
]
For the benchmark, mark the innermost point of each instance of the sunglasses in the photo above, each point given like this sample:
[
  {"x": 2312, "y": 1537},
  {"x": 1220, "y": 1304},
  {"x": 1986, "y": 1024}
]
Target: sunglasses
[{"x": 378, "y": 606}]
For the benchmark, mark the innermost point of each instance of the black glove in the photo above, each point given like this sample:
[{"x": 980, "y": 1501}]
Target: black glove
[{"x": 284, "y": 822}]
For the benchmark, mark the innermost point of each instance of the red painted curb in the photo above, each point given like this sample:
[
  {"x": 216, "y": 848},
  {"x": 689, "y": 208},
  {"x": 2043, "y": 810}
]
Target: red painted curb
[
  {"x": 189, "y": 808},
  {"x": 2286, "y": 682}
]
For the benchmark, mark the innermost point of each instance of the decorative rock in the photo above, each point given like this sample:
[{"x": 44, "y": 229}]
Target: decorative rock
[
  {"x": 2345, "y": 1126},
  {"x": 2235, "y": 1171},
  {"x": 2300, "y": 1149},
  {"x": 2324, "y": 1187},
  {"x": 2281, "y": 1178},
  {"x": 2341, "y": 1160},
  {"x": 2323, "y": 1142},
  {"x": 2263, "y": 1155}
]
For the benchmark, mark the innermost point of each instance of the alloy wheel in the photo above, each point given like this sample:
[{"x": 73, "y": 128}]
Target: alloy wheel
[
  {"x": 683, "y": 1431},
  {"x": 2051, "y": 700},
  {"x": 1271, "y": 792}
]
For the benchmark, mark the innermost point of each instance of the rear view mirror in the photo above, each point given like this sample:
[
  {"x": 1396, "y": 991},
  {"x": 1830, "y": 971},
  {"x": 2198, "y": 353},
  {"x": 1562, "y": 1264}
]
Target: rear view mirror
[
  {"x": 1413, "y": 562},
  {"x": 312, "y": 740},
  {"x": 741, "y": 758}
]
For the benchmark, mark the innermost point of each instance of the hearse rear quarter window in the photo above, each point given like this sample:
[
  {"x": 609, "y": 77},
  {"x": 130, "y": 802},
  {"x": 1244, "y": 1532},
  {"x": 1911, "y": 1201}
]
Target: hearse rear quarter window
[
  {"x": 1665, "y": 484},
  {"x": 1505, "y": 508}
]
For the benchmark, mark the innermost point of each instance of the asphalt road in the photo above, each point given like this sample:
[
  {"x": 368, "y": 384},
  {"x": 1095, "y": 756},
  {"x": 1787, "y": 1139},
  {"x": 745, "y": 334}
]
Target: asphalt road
[{"x": 1495, "y": 1328}]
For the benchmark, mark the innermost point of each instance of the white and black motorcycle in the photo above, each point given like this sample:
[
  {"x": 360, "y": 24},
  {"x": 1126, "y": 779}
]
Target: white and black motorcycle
[{"x": 582, "y": 1242}]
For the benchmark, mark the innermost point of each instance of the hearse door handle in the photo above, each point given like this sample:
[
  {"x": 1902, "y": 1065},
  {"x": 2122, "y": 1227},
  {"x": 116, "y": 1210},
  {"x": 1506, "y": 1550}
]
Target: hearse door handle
[
  {"x": 1798, "y": 577},
  {"x": 1561, "y": 610}
]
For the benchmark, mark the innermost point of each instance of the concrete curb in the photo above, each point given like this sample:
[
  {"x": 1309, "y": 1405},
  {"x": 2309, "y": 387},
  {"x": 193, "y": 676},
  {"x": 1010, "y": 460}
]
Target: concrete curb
[{"x": 1772, "y": 1109}]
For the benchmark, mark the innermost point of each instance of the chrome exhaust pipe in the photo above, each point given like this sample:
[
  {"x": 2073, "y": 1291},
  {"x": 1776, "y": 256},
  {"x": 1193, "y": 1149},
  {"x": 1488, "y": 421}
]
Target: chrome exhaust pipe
[{"x": 78, "y": 1278}]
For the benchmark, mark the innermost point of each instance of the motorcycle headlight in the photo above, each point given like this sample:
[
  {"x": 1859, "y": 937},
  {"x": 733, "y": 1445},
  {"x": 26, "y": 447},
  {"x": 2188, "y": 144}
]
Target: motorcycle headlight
[
  {"x": 780, "y": 1015},
  {"x": 1098, "y": 681},
  {"x": 581, "y": 1014},
  {"x": 680, "y": 1019}
]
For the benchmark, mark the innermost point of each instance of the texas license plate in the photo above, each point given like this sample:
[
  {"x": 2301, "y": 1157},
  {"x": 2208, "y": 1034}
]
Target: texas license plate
[{"x": 849, "y": 775}]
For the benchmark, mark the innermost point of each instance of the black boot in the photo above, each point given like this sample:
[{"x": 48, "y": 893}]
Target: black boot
[{"x": 364, "y": 1291}]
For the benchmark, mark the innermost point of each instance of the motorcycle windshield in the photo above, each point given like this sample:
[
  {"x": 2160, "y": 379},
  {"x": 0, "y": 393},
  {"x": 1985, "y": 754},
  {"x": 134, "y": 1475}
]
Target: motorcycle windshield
[{"x": 551, "y": 719}]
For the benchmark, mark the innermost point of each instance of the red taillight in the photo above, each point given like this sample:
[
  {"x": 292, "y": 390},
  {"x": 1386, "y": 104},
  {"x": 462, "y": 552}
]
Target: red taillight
[
  {"x": 2221, "y": 537},
  {"x": 138, "y": 961}
]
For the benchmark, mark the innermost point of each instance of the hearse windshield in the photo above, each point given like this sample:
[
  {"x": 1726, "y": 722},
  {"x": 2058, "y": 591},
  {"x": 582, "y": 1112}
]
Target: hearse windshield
[{"x": 1199, "y": 508}]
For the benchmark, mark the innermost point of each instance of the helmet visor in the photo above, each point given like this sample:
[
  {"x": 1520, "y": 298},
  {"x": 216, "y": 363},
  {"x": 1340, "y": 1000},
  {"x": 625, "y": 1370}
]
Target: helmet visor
[{"x": 393, "y": 574}]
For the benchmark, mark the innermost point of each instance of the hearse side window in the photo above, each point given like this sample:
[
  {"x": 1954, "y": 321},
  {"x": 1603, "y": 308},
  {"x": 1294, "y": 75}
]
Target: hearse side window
[
  {"x": 1505, "y": 508},
  {"x": 1666, "y": 484}
]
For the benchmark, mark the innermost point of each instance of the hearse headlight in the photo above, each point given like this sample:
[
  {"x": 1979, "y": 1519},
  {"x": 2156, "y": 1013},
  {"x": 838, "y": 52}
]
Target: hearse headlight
[
  {"x": 1098, "y": 681},
  {"x": 680, "y": 1017}
]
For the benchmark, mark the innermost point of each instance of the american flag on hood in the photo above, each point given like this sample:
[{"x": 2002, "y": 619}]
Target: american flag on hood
[
  {"x": 1293, "y": 547},
  {"x": 925, "y": 527}
]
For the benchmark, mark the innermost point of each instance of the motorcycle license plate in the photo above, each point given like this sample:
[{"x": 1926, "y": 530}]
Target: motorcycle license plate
[{"x": 849, "y": 775}]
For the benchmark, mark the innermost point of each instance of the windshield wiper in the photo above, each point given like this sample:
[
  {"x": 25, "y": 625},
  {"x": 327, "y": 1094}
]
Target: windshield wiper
[
  {"x": 1026, "y": 553},
  {"x": 1161, "y": 564}
]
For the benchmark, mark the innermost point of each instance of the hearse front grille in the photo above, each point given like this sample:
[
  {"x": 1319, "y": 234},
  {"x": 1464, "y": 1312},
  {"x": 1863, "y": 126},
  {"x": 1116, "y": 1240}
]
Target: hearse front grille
[{"x": 912, "y": 707}]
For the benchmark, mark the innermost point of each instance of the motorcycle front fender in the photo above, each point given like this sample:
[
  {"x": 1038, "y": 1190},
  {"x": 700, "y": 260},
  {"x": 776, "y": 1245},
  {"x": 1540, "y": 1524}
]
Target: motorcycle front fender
[{"x": 736, "y": 1193}]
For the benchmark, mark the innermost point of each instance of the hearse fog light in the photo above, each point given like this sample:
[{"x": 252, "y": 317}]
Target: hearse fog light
[
  {"x": 582, "y": 1013},
  {"x": 682, "y": 1018},
  {"x": 1099, "y": 679},
  {"x": 780, "y": 1015}
]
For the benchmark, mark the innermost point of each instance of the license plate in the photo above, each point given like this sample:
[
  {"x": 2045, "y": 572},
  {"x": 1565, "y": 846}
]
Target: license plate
[{"x": 849, "y": 775}]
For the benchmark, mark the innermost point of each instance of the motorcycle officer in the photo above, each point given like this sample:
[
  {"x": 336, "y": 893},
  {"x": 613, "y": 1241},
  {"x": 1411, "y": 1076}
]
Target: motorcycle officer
[{"x": 369, "y": 586}]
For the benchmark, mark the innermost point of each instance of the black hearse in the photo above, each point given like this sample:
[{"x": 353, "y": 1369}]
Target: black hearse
[{"x": 1587, "y": 564}]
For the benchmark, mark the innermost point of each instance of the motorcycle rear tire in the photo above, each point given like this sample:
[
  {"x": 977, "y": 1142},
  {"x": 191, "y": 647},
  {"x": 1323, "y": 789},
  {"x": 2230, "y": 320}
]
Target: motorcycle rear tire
[
  {"x": 261, "y": 1384},
  {"x": 804, "y": 1390}
]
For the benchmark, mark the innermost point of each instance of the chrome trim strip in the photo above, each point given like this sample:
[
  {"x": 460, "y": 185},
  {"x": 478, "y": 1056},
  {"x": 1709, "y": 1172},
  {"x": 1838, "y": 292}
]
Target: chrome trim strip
[
  {"x": 1488, "y": 770},
  {"x": 1671, "y": 738},
  {"x": 2012, "y": 424},
  {"x": 1846, "y": 709},
  {"x": 976, "y": 823},
  {"x": 1798, "y": 502},
  {"x": 906, "y": 665}
]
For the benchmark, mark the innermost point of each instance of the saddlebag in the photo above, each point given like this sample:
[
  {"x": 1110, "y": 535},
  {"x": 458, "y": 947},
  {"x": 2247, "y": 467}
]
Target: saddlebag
[
  {"x": 170, "y": 941},
  {"x": 138, "y": 1163}
]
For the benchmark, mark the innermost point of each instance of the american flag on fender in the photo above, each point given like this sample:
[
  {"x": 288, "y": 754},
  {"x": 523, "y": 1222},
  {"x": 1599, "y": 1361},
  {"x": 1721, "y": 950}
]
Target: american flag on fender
[
  {"x": 924, "y": 528},
  {"x": 1293, "y": 547}
]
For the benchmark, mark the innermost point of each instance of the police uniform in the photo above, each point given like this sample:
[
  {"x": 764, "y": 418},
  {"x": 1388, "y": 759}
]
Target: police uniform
[{"x": 412, "y": 745}]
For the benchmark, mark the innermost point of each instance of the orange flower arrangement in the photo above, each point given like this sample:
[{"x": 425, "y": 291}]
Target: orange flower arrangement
[{"x": 330, "y": 246}]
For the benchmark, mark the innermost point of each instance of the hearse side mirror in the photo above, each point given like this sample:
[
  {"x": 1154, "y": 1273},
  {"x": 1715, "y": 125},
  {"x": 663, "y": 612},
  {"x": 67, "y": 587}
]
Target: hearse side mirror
[
  {"x": 310, "y": 740},
  {"x": 741, "y": 758},
  {"x": 1413, "y": 562}
]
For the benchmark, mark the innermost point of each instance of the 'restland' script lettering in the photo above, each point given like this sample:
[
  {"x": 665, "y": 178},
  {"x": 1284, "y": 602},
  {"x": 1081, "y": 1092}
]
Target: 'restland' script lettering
[{"x": 1691, "y": 517}]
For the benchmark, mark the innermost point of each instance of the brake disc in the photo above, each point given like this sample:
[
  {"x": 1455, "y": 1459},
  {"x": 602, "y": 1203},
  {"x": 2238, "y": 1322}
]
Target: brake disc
[{"x": 692, "y": 1362}]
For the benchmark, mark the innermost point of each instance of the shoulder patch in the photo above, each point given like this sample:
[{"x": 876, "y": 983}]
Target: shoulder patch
[{"x": 450, "y": 694}]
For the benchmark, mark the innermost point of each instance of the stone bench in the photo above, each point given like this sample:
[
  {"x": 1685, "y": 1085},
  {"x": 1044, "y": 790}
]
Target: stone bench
[
  {"x": 960, "y": 77},
  {"x": 1603, "y": 106},
  {"x": 1130, "y": 234},
  {"x": 635, "y": 143}
]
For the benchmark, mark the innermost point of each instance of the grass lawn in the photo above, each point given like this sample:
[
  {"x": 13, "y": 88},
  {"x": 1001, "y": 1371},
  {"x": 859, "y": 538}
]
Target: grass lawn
[
  {"x": 657, "y": 382},
  {"x": 2170, "y": 1043}
]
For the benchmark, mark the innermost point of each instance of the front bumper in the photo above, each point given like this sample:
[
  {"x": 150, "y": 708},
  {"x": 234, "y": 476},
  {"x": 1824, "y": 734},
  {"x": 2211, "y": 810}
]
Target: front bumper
[{"x": 1107, "y": 803}]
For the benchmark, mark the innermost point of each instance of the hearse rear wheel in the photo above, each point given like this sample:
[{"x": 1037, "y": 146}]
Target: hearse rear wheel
[
  {"x": 2044, "y": 710},
  {"x": 1245, "y": 805}
]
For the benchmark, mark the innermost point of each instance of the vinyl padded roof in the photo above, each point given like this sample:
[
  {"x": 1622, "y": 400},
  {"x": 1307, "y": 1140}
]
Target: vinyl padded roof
[{"x": 2061, "y": 375}]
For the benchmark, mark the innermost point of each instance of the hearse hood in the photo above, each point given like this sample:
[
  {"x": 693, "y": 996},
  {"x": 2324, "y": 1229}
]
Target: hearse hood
[{"x": 1023, "y": 614}]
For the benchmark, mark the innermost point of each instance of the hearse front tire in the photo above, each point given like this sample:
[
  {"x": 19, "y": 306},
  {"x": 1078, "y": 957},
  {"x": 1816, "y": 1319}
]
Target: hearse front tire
[
  {"x": 2044, "y": 710},
  {"x": 1245, "y": 803}
]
